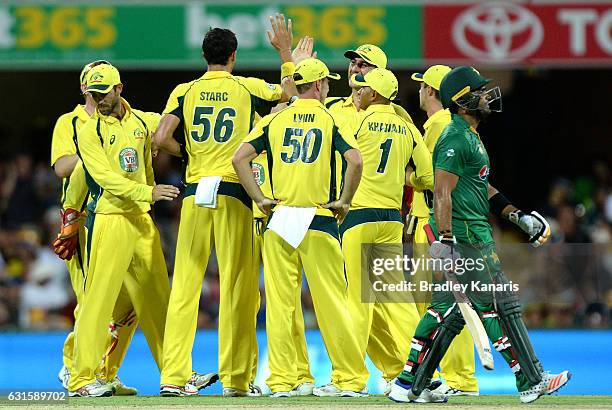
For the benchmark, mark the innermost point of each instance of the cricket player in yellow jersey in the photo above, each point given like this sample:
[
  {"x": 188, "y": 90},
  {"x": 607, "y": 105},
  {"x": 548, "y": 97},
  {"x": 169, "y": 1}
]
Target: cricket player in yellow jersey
[
  {"x": 363, "y": 59},
  {"x": 457, "y": 366},
  {"x": 305, "y": 380},
  {"x": 388, "y": 143},
  {"x": 115, "y": 147},
  {"x": 71, "y": 242},
  {"x": 300, "y": 142},
  {"x": 216, "y": 111}
]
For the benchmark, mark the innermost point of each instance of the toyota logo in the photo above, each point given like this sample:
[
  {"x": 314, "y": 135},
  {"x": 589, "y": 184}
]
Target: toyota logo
[{"x": 497, "y": 32}]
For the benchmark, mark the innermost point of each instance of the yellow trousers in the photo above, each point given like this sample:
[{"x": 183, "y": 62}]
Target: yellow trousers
[
  {"x": 228, "y": 227},
  {"x": 297, "y": 330},
  {"x": 125, "y": 257},
  {"x": 321, "y": 257},
  {"x": 123, "y": 326},
  {"x": 384, "y": 329},
  {"x": 457, "y": 366}
]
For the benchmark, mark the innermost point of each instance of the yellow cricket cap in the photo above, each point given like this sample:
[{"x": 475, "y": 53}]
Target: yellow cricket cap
[
  {"x": 370, "y": 53},
  {"x": 88, "y": 67},
  {"x": 380, "y": 80},
  {"x": 102, "y": 78},
  {"x": 433, "y": 76},
  {"x": 311, "y": 70}
]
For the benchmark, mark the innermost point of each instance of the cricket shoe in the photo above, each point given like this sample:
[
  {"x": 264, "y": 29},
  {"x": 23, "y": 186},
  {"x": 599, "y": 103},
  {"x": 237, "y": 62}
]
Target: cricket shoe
[
  {"x": 303, "y": 389},
  {"x": 254, "y": 390},
  {"x": 550, "y": 383},
  {"x": 201, "y": 381},
  {"x": 280, "y": 394},
  {"x": 329, "y": 390},
  {"x": 95, "y": 389},
  {"x": 402, "y": 393},
  {"x": 64, "y": 377},
  {"x": 456, "y": 392},
  {"x": 172, "y": 390},
  {"x": 120, "y": 389}
]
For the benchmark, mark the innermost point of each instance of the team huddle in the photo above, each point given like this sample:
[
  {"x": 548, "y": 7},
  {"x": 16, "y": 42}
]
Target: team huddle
[{"x": 286, "y": 176}]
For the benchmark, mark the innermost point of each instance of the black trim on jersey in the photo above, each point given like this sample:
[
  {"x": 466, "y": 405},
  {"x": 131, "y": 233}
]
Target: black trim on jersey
[
  {"x": 261, "y": 106},
  {"x": 360, "y": 216},
  {"x": 332, "y": 177},
  {"x": 269, "y": 156},
  {"x": 233, "y": 189},
  {"x": 338, "y": 142},
  {"x": 99, "y": 133},
  {"x": 74, "y": 130},
  {"x": 332, "y": 102},
  {"x": 92, "y": 185},
  {"x": 325, "y": 224},
  {"x": 411, "y": 160},
  {"x": 181, "y": 138},
  {"x": 144, "y": 124}
]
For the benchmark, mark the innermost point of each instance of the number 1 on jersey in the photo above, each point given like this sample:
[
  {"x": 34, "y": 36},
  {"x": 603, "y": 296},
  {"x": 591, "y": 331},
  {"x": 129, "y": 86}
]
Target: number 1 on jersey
[{"x": 384, "y": 156}]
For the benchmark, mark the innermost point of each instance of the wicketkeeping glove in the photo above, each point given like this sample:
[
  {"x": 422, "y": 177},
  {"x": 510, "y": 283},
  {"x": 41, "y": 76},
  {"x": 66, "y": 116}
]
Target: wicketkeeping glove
[
  {"x": 68, "y": 239},
  {"x": 533, "y": 224}
]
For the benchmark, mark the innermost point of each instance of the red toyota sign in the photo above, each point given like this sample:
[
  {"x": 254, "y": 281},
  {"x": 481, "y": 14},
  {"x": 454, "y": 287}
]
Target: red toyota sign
[{"x": 504, "y": 32}]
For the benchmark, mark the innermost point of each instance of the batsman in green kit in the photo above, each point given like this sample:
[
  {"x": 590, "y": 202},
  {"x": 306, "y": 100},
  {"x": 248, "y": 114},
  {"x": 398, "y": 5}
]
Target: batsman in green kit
[{"x": 463, "y": 198}]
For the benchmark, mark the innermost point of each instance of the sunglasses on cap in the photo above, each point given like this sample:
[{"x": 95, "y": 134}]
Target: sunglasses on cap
[
  {"x": 89, "y": 66},
  {"x": 362, "y": 64}
]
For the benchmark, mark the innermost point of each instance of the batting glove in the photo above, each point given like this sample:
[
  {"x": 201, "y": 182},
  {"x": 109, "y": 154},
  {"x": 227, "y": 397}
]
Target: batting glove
[
  {"x": 445, "y": 248},
  {"x": 533, "y": 224}
]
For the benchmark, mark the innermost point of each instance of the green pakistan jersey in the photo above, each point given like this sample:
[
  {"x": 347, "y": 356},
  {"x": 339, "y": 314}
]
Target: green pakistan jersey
[{"x": 461, "y": 152}]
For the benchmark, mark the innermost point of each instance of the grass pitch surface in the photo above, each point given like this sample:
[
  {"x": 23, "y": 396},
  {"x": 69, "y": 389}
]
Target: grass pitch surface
[{"x": 217, "y": 402}]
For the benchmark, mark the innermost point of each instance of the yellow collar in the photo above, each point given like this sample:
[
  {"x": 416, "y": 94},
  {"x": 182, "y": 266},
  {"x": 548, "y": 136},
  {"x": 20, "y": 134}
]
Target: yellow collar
[
  {"x": 307, "y": 102},
  {"x": 216, "y": 74},
  {"x": 380, "y": 108},
  {"x": 79, "y": 110}
]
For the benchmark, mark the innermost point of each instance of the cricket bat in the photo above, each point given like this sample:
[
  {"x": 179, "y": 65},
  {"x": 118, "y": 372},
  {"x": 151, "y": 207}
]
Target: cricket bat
[{"x": 481, "y": 340}]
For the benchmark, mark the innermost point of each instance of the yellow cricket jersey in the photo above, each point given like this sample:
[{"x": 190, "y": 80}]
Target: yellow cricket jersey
[
  {"x": 388, "y": 143},
  {"x": 345, "y": 108},
  {"x": 433, "y": 128},
  {"x": 74, "y": 189},
  {"x": 217, "y": 113},
  {"x": 116, "y": 156},
  {"x": 300, "y": 142}
]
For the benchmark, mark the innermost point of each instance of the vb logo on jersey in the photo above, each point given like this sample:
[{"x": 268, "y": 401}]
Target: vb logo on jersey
[
  {"x": 483, "y": 174},
  {"x": 259, "y": 174},
  {"x": 128, "y": 160},
  {"x": 450, "y": 152}
]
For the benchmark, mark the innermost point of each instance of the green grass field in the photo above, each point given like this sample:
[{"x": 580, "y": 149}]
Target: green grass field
[{"x": 485, "y": 402}]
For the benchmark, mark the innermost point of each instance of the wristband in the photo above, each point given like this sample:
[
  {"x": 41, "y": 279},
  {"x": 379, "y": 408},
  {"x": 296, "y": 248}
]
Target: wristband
[
  {"x": 497, "y": 203},
  {"x": 287, "y": 69}
]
